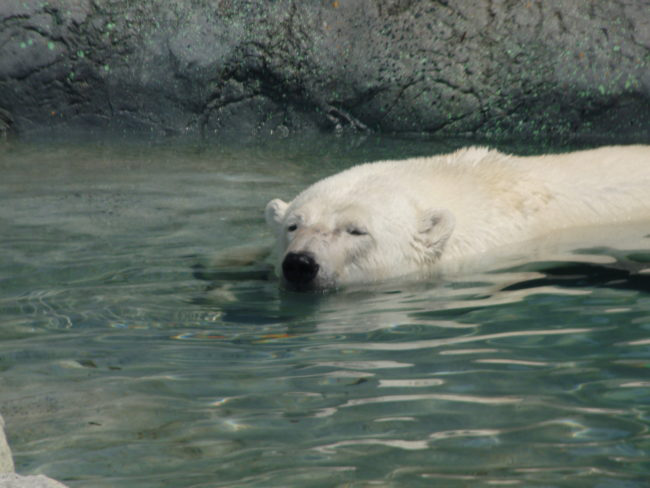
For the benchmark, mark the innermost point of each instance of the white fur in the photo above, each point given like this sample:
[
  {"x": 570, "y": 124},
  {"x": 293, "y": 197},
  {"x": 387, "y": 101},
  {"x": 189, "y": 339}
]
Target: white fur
[{"x": 425, "y": 215}]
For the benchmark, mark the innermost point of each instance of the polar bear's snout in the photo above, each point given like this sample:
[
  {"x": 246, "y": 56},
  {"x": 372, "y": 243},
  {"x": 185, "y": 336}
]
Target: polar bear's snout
[{"x": 299, "y": 268}]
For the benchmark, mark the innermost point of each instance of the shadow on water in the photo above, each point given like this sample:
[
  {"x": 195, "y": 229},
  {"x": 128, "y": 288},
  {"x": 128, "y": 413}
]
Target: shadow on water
[
  {"x": 250, "y": 294},
  {"x": 628, "y": 272}
]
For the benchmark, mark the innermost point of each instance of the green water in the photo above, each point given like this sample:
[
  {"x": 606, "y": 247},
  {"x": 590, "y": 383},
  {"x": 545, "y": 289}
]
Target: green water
[{"x": 119, "y": 368}]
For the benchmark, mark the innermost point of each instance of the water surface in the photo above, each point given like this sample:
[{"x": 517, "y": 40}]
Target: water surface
[{"x": 120, "y": 368}]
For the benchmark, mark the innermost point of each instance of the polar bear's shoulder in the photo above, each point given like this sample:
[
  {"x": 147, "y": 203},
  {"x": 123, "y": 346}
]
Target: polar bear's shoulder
[
  {"x": 466, "y": 157},
  {"x": 466, "y": 160}
]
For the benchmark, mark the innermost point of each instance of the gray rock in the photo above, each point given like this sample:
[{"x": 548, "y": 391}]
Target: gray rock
[
  {"x": 251, "y": 68},
  {"x": 11, "y": 480},
  {"x": 6, "y": 459}
]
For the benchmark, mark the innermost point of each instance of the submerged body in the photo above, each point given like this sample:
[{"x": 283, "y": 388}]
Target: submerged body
[{"x": 423, "y": 216}]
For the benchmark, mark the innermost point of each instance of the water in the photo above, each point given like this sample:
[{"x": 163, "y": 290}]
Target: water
[{"x": 119, "y": 368}]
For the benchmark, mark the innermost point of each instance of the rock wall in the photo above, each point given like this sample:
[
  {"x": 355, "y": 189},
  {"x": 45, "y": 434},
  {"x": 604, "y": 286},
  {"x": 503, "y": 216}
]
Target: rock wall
[{"x": 245, "y": 68}]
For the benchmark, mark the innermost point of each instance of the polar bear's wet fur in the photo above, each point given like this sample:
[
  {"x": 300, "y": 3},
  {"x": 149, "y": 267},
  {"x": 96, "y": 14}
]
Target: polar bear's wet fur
[{"x": 423, "y": 216}]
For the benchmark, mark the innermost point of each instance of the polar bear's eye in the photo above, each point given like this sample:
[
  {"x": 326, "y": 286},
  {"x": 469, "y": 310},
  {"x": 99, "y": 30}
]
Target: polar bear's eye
[
  {"x": 355, "y": 231},
  {"x": 292, "y": 227}
]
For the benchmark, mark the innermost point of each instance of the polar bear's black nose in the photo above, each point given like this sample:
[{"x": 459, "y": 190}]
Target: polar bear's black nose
[{"x": 299, "y": 268}]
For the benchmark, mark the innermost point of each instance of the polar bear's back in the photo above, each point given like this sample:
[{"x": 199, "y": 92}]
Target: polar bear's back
[{"x": 607, "y": 184}]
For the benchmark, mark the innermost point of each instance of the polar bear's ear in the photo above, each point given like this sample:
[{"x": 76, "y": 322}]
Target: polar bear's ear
[
  {"x": 436, "y": 226},
  {"x": 274, "y": 212}
]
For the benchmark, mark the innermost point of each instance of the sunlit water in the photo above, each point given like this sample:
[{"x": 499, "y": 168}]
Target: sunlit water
[{"x": 121, "y": 368}]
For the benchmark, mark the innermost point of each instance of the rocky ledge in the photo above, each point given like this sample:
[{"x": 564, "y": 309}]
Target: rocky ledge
[
  {"x": 235, "y": 69},
  {"x": 232, "y": 68}
]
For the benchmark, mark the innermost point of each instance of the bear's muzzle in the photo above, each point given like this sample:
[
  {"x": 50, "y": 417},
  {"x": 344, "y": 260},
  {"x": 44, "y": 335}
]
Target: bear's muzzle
[{"x": 299, "y": 268}]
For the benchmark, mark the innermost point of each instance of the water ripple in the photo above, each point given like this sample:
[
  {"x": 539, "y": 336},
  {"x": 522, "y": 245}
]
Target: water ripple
[
  {"x": 504, "y": 400},
  {"x": 396, "y": 443},
  {"x": 429, "y": 344}
]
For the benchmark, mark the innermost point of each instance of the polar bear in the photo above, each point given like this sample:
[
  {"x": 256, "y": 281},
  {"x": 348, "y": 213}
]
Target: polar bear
[{"x": 419, "y": 217}]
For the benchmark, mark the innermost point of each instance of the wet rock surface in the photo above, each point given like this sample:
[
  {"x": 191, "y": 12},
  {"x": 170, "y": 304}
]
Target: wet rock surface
[
  {"x": 6, "y": 459},
  {"x": 9, "y": 479},
  {"x": 250, "y": 68}
]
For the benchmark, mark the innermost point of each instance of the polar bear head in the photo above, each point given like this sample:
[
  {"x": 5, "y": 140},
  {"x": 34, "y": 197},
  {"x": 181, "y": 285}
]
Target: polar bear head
[{"x": 355, "y": 228}]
